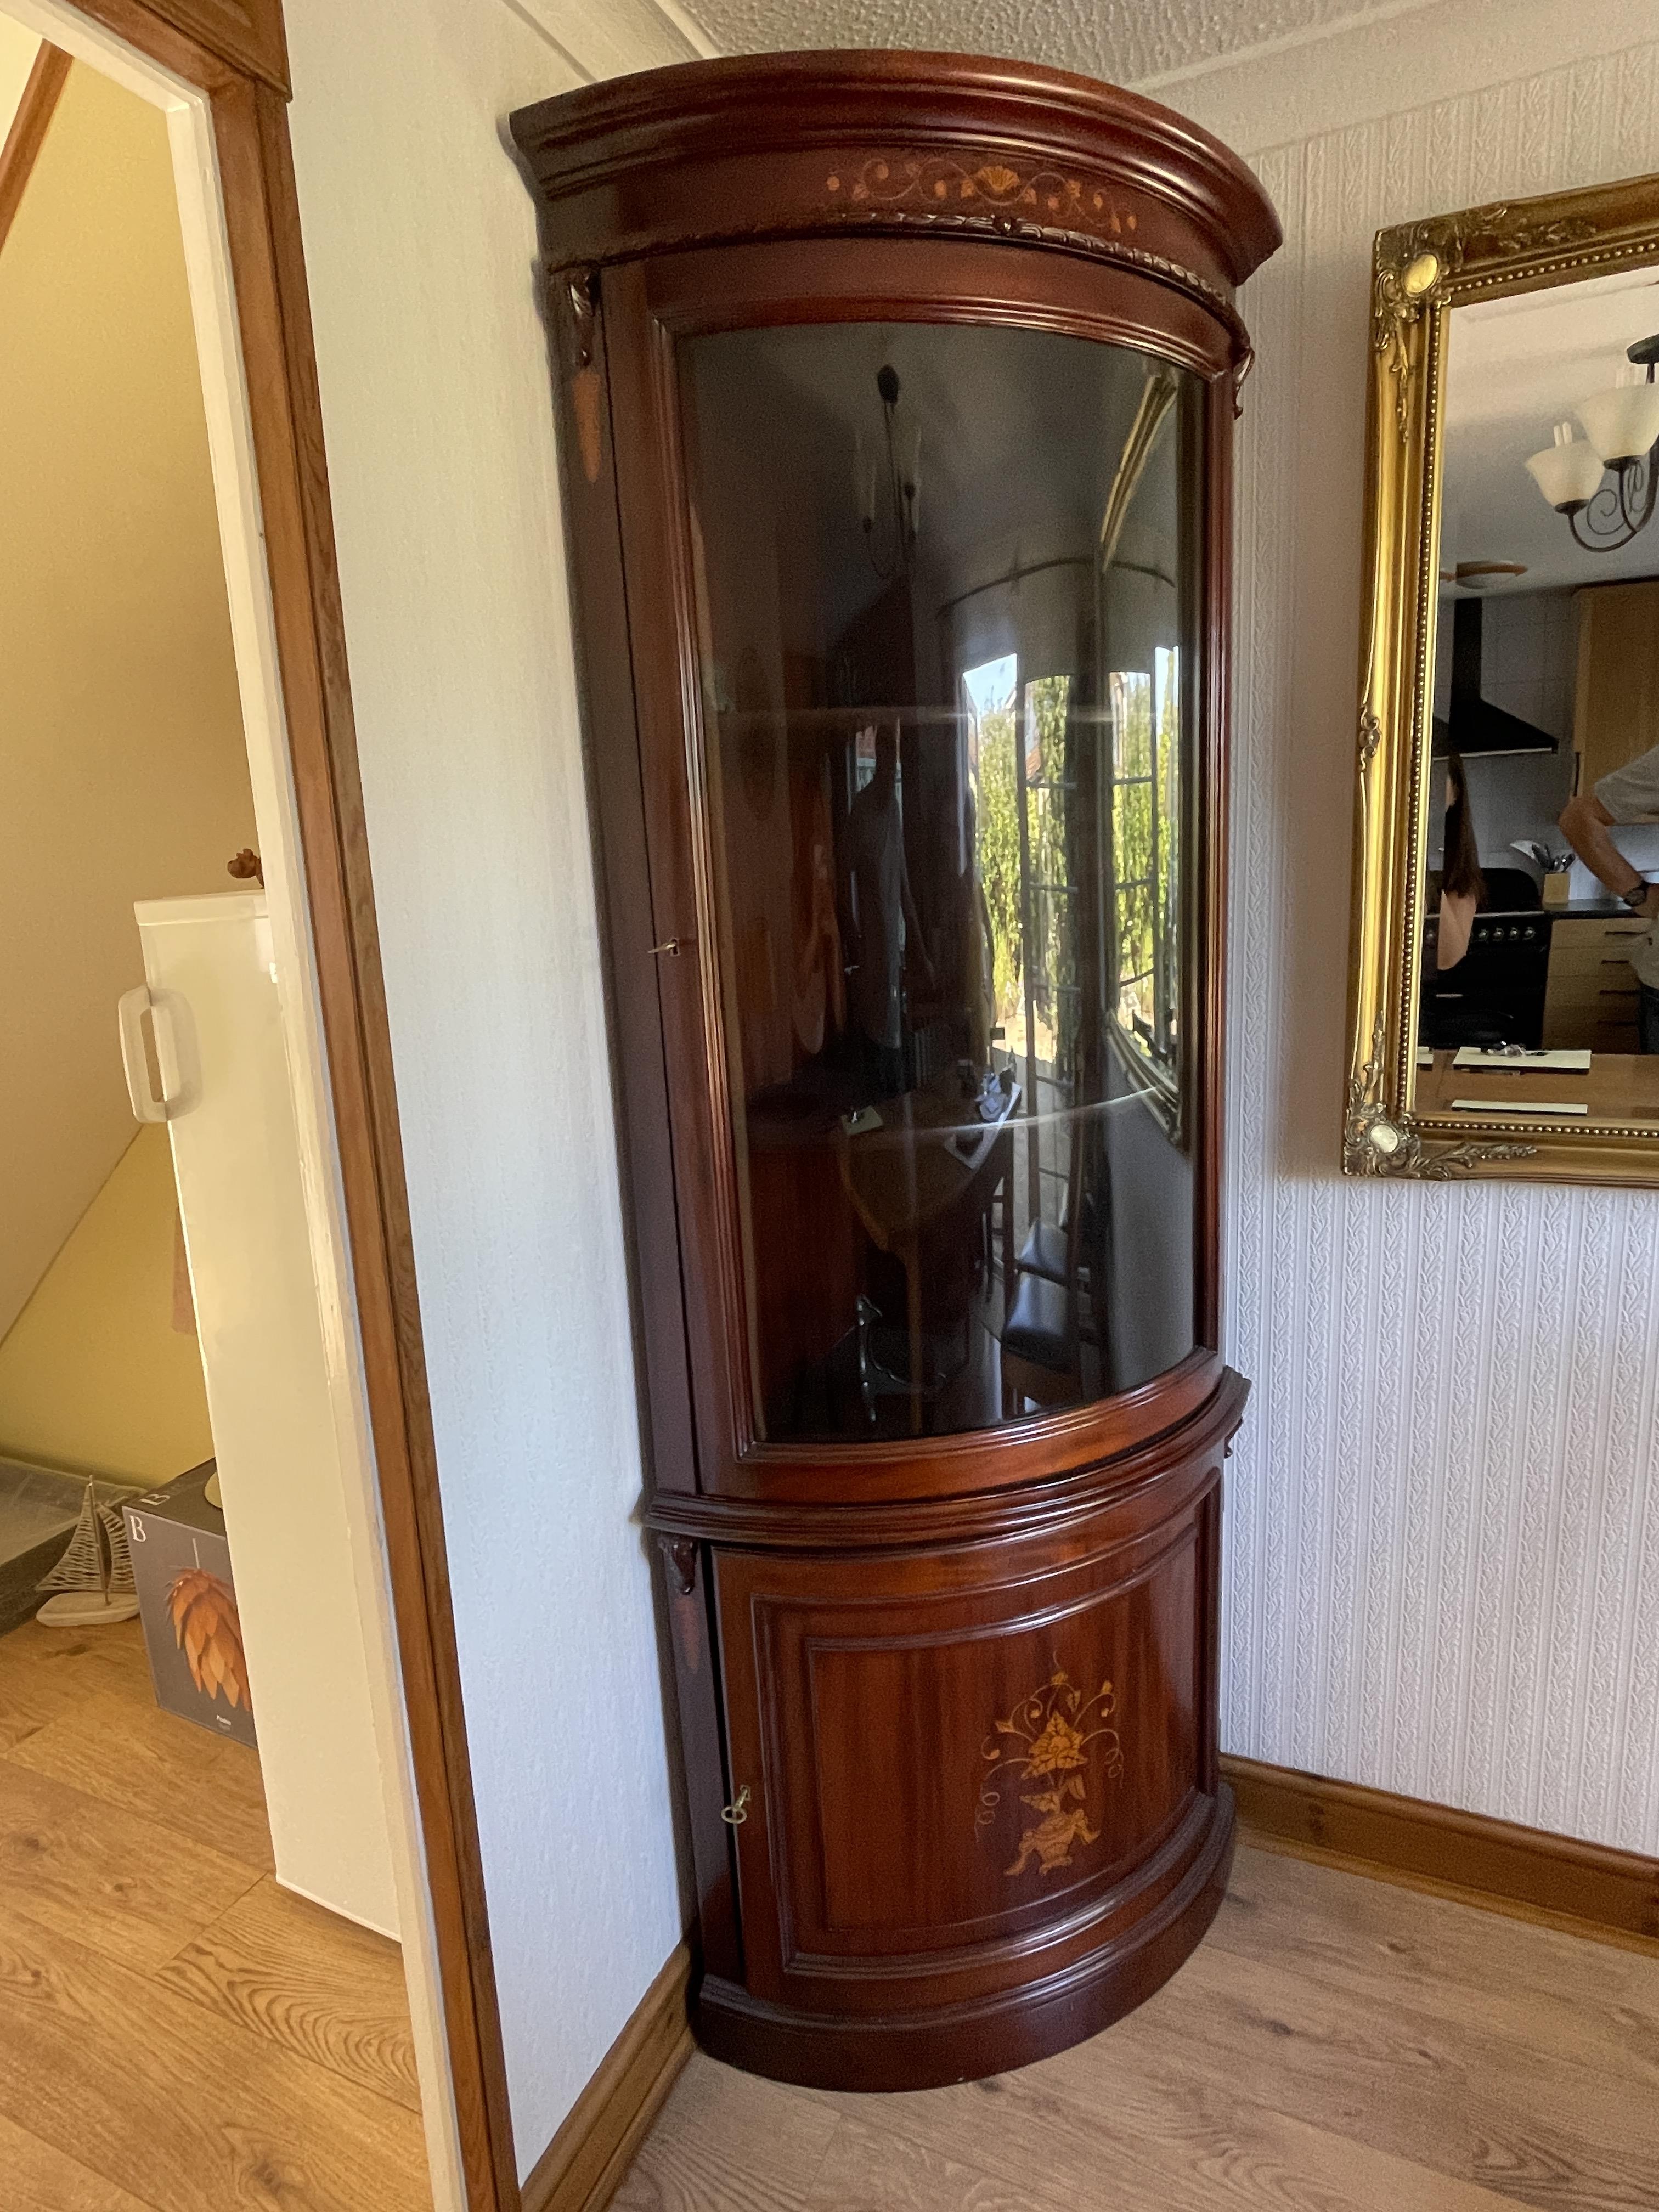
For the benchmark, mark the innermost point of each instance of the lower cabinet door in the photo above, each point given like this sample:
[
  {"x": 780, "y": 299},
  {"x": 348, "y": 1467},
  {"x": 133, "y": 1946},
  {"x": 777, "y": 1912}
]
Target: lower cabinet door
[{"x": 968, "y": 1768}]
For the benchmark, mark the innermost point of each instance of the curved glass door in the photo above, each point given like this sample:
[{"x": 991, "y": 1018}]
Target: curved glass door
[{"x": 947, "y": 620}]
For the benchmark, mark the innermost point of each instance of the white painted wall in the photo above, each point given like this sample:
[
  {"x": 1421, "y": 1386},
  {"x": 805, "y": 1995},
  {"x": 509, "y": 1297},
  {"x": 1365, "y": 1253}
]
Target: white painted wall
[
  {"x": 1443, "y": 1514},
  {"x": 420, "y": 247}
]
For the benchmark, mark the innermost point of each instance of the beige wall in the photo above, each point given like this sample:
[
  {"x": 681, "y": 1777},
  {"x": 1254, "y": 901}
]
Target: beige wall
[
  {"x": 122, "y": 769},
  {"x": 94, "y": 1376}
]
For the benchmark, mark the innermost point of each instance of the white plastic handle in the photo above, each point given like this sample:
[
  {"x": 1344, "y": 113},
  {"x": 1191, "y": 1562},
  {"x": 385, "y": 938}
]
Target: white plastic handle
[
  {"x": 178, "y": 1090},
  {"x": 130, "y": 1010}
]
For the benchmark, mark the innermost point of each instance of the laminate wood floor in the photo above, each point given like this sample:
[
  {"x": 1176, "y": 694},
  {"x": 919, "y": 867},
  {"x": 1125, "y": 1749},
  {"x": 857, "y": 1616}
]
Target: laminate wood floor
[
  {"x": 177, "y": 2034},
  {"x": 1336, "y": 2044}
]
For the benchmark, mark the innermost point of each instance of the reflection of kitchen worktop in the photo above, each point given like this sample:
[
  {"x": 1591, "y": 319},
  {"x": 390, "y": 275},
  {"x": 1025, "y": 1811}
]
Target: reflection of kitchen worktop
[
  {"x": 1619, "y": 1087},
  {"x": 1589, "y": 909}
]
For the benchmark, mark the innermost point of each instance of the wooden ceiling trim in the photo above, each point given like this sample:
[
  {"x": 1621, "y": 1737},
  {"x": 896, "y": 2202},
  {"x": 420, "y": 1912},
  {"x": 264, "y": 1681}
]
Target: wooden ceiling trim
[{"x": 28, "y": 130}]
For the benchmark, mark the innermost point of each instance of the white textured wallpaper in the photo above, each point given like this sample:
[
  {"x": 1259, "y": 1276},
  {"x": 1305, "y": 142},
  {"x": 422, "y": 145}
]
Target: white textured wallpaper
[{"x": 1443, "y": 1516}]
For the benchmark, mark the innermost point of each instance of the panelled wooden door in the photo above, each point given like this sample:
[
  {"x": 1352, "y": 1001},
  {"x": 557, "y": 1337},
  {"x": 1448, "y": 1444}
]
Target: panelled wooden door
[{"x": 951, "y": 1772}]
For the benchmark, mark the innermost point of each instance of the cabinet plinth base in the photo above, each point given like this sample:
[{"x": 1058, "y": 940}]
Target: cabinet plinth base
[{"x": 967, "y": 2042}]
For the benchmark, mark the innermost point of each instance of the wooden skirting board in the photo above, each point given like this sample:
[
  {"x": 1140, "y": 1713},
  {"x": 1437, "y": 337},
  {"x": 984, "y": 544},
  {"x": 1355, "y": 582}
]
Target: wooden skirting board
[
  {"x": 1585, "y": 1888},
  {"x": 582, "y": 2168}
]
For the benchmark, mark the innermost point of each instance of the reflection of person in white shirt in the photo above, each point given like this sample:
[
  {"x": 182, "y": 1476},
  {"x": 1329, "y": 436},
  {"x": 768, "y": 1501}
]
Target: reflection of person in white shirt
[
  {"x": 1630, "y": 793},
  {"x": 881, "y": 916}
]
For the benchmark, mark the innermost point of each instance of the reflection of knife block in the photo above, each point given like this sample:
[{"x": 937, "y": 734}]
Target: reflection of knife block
[{"x": 1557, "y": 887}]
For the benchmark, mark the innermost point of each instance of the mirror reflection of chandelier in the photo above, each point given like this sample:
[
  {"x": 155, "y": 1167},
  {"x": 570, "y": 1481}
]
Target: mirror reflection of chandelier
[
  {"x": 1621, "y": 433},
  {"x": 890, "y": 489}
]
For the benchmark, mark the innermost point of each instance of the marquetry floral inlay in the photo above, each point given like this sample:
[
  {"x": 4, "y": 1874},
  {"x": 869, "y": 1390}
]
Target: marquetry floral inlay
[
  {"x": 883, "y": 182},
  {"x": 1058, "y": 1737},
  {"x": 952, "y": 197}
]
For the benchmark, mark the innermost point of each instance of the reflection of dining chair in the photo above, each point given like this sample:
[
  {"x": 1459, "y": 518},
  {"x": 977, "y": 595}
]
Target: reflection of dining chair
[
  {"x": 1043, "y": 1252},
  {"x": 1041, "y": 1340},
  {"x": 875, "y": 1381}
]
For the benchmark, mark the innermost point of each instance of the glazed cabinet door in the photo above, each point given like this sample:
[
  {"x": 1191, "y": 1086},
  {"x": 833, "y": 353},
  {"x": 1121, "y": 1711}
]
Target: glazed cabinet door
[
  {"x": 958, "y": 1778},
  {"x": 917, "y": 602}
]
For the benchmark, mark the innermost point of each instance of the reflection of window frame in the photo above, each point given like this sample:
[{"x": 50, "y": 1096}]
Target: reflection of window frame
[
  {"x": 1151, "y": 1061},
  {"x": 1057, "y": 688},
  {"x": 1035, "y": 947},
  {"x": 1022, "y": 701},
  {"x": 976, "y": 710}
]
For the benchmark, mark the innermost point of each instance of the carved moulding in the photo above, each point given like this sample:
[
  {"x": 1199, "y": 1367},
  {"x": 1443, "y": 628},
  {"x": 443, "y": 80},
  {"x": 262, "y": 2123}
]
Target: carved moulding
[
  {"x": 680, "y": 1558},
  {"x": 1377, "y": 1143},
  {"x": 1414, "y": 263},
  {"x": 1421, "y": 272}
]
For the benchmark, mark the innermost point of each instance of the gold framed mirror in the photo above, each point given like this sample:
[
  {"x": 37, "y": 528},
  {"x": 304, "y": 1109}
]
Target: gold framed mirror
[{"x": 1505, "y": 965}]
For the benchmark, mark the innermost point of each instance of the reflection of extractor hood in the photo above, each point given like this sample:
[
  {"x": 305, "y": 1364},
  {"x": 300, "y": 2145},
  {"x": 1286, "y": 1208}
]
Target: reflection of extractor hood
[{"x": 1475, "y": 726}]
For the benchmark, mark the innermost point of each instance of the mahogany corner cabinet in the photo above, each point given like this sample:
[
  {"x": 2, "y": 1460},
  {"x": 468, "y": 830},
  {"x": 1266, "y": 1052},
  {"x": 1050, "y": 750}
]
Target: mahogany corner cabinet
[{"x": 896, "y": 397}]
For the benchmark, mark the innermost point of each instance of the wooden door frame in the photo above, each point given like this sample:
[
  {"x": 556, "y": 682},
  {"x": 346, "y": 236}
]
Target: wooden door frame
[{"x": 232, "y": 54}]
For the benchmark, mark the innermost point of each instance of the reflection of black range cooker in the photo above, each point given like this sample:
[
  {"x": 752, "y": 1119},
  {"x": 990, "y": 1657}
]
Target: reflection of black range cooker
[{"x": 1495, "y": 994}]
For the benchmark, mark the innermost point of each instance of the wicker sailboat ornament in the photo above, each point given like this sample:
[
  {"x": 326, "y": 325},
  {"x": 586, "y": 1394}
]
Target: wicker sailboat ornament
[{"x": 93, "y": 1579}]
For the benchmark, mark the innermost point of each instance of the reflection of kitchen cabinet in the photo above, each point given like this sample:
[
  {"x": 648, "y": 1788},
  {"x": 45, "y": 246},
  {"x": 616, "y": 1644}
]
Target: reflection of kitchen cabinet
[
  {"x": 1592, "y": 994},
  {"x": 1616, "y": 715}
]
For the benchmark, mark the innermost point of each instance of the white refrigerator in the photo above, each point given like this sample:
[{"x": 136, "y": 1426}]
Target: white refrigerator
[{"x": 213, "y": 1067}]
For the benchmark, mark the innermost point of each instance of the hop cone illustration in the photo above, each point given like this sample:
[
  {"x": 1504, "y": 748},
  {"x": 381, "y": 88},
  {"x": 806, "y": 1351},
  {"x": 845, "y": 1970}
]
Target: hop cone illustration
[{"x": 208, "y": 1633}]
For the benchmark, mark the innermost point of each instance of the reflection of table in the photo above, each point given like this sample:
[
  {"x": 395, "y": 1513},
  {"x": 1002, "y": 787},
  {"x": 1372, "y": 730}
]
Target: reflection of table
[
  {"x": 1619, "y": 1086},
  {"x": 932, "y": 1161}
]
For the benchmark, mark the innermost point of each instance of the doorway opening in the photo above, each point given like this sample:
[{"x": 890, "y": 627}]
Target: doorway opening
[{"x": 210, "y": 1799}]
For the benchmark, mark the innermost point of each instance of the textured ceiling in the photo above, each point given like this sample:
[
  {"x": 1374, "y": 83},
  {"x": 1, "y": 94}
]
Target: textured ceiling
[{"x": 1124, "y": 41}]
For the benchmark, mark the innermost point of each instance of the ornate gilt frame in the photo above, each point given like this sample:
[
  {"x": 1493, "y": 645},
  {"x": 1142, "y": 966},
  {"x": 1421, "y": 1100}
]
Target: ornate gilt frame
[{"x": 1419, "y": 272}]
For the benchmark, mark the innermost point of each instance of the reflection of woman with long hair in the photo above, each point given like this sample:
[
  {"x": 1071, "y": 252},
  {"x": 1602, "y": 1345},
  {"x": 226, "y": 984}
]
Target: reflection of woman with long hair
[{"x": 1462, "y": 886}]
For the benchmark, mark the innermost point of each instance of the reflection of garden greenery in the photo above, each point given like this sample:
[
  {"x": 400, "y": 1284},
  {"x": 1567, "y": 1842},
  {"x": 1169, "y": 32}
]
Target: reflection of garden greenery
[
  {"x": 1053, "y": 953},
  {"x": 1145, "y": 839},
  {"x": 1049, "y": 767},
  {"x": 1036, "y": 919},
  {"x": 1132, "y": 837},
  {"x": 999, "y": 853}
]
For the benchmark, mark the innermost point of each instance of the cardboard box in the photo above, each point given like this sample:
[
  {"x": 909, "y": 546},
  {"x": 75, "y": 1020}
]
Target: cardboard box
[{"x": 187, "y": 1603}]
